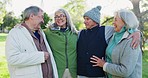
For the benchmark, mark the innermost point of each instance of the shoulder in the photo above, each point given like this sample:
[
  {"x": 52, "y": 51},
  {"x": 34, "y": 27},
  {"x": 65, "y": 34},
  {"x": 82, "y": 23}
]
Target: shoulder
[
  {"x": 127, "y": 43},
  {"x": 47, "y": 30},
  {"x": 109, "y": 28},
  {"x": 16, "y": 29}
]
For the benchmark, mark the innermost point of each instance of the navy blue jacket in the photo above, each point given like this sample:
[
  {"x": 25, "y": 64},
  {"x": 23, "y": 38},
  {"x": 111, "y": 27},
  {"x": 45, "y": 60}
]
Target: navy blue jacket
[{"x": 90, "y": 42}]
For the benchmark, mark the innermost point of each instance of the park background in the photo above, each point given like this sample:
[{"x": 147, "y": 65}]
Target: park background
[{"x": 11, "y": 14}]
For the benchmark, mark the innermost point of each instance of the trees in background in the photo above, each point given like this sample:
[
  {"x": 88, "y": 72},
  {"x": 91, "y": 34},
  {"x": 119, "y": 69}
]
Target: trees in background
[
  {"x": 140, "y": 8},
  {"x": 47, "y": 19},
  {"x": 2, "y": 11},
  {"x": 76, "y": 8},
  {"x": 9, "y": 21}
]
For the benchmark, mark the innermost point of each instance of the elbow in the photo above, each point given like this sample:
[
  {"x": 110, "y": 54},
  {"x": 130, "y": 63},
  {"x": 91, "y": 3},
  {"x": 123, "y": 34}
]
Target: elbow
[
  {"x": 126, "y": 73},
  {"x": 12, "y": 60}
]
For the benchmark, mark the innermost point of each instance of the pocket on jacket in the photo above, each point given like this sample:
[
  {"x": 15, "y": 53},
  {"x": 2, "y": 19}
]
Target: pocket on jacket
[{"x": 25, "y": 70}]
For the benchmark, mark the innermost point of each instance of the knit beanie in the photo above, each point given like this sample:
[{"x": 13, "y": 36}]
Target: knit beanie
[{"x": 94, "y": 14}]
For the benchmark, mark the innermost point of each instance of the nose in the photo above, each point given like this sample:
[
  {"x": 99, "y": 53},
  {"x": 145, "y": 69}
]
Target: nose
[
  {"x": 85, "y": 21},
  {"x": 42, "y": 21},
  {"x": 113, "y": 22},
  {"x": 58, "y": 18}
]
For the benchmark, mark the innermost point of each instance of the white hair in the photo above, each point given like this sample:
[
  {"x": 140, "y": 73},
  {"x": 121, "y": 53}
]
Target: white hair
[
  {"x": 69, "y": 22},
  {"x": 129, "y": 18}
]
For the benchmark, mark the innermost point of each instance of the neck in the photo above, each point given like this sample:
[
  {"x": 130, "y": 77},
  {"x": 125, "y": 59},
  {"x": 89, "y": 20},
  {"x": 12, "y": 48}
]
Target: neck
[
  {"x": 63, "y": 26},
  {"x": 94, "y": 26},
  {"x": 30, "y": 26}
]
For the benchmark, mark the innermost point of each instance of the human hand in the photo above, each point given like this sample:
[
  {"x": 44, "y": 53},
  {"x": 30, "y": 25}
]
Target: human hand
[
  {"x": 136, "y": 39},
  {"x": 46, "y": 55},
  {"x": 97, "y": 61}
]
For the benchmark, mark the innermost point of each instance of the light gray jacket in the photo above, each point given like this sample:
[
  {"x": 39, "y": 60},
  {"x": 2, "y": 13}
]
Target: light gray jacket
[
  {"x": 126, "y": 62},
  {"x": 24, "y": 60}
]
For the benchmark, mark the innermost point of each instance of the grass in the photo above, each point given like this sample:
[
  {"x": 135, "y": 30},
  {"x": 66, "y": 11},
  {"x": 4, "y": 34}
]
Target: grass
[
  {"x": 4, "y": 70},
  {"x": 145, "y": 64},
  {"x": 3, "y": 37},
  {"x": 3, "y": 64}
]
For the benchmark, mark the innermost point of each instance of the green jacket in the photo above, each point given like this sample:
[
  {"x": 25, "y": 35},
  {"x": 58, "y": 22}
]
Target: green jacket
[{"x": 63, "y": 46}]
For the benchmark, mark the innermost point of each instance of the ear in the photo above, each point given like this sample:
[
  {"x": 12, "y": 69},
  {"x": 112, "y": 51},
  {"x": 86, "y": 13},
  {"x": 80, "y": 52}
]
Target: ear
[{"x": 31, "y": 15}]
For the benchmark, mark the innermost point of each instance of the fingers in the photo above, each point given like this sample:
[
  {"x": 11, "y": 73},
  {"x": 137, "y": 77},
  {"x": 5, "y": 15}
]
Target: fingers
[
  {"x": 135, "y": 44},
  {"x": 46, "y": 55},
  {"x": 94, "y": 62},
  {"x": 95, "y": 65},
  {"x": 136, "y": 39},
  {"x": 130, "y": 36},
  {"x": 95, "y": 57}
]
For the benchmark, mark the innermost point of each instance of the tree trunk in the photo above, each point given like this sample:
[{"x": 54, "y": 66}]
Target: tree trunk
[{"x": 136, "y": 10}]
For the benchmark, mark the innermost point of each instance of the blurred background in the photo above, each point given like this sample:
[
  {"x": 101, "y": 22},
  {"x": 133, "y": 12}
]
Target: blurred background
[{"x": 11, "y": 14}]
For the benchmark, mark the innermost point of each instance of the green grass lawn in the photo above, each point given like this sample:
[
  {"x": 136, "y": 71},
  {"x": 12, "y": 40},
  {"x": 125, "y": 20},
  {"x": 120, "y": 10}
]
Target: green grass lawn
[
  {"x": 145, "y": 64},
  {"x": 3, "y": 64}
]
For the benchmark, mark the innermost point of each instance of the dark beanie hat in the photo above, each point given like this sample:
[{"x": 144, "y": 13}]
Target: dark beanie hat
[{"x": 94, "y": 14}]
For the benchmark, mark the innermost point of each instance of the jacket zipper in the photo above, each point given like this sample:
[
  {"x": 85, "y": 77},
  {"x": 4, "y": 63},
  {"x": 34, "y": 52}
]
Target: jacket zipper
[{"x": 66, "y": 50}]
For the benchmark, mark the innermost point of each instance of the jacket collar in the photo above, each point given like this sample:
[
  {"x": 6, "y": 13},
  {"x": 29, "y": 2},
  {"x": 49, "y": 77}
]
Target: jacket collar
[
  {"x": 125, "y": 35},
  {"x": 25, "y": 32}
]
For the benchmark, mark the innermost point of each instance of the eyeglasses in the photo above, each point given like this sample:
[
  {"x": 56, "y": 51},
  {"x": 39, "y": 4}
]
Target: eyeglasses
[{"x": 61, "y": 16}]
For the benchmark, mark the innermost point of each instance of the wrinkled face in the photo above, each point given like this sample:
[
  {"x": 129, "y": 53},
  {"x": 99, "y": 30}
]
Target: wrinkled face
[
  {"x": 60, "y": 19},
  {"x": 118, "y": 23},
  {"x": 38, "y": 20},
  {"x": 89, "y": 23}
]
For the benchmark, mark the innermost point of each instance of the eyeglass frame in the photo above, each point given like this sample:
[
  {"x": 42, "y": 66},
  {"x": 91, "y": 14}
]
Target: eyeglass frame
[{"x": 61, "y": 16}]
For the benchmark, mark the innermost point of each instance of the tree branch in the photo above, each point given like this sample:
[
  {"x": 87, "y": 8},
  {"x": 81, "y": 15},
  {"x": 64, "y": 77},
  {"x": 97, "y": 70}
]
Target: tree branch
[
  {"x": 145, "y": 20},
  {"x": 143, "y": 13},
  {"x": 107, "y": 20}
]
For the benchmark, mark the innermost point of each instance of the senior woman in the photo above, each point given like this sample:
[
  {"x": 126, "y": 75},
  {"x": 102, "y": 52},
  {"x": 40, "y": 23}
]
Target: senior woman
[
  {"x": 62, "y": 37},
  {"x": 122, "y": 60}
]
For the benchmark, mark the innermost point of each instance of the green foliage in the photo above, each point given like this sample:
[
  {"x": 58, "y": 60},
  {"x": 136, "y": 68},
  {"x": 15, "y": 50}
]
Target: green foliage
[
  {"x": 3, "y": 37},
  {"x": 3, "y": 68},
  {"x": 107, "y": 21},
  {"x": 76, "y": 9},
  {"x": 9, "y": 21},
  {"x": 145, "y": 64},
  {"x": 46, "y": 20},
  {"x": 3, "y": 64},
  {"x": 2, "y": 11},
  {"x": 145, "y": 33}
]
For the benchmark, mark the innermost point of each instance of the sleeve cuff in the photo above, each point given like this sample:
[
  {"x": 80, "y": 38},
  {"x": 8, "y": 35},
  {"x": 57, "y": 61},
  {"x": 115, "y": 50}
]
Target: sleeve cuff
[{"x": 104, "y": 66}]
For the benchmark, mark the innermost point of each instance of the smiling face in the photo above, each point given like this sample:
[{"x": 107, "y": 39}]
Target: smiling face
[
  {"x": 89, "y": 23},
  {"x": 118, "y": 23},
  {"x": 60, "y": 19},
  {"x": 35, "y": 20},
  {"x": 38, "y": 20}
]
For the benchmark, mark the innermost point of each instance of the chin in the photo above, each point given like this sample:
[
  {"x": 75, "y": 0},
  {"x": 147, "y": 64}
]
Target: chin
[
  {"x": 60, "y": 24},
  {"x": 115, "y": 30}
]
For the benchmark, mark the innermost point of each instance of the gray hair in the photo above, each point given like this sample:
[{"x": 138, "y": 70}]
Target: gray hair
[
  {"x": 31, "y": 10},
  {"x": 69, "y": 22},
  {"x": 129, "y": 18}
]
